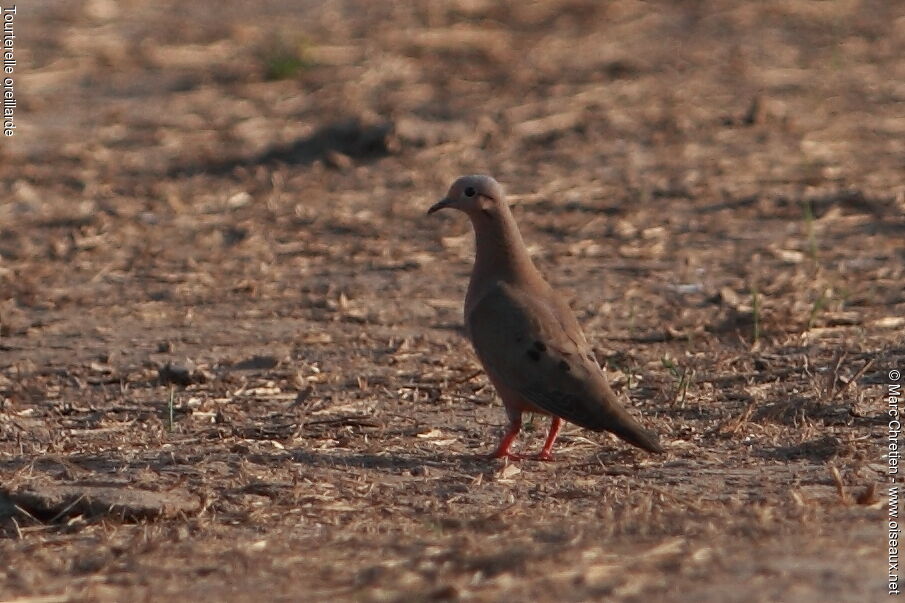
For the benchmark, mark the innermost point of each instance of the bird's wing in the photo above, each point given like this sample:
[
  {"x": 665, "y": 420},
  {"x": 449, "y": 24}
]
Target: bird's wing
[
  {"x": 528, "y": 339},
  {"x": 521, "y": 339}
]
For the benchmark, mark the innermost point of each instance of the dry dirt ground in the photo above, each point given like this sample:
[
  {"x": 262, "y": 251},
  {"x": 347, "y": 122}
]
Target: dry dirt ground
[{"x": 232, "y": 364}]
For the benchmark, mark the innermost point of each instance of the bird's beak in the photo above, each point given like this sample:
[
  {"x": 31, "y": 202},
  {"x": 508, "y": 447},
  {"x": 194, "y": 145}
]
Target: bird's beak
[{"x": 444, "y": 202}]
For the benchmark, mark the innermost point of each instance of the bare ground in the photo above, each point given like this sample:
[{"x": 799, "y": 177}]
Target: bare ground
[{"x": 231, "y": 357}]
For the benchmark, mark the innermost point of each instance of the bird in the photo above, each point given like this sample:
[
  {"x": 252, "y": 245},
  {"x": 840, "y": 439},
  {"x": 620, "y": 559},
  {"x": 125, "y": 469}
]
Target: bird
[{"x": 524, "y": 333}]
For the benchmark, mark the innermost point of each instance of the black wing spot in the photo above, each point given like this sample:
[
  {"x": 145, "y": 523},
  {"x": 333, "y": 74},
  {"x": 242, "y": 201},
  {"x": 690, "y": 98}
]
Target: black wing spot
[
  {"x": 539, "y": 346},
  {"x": 564, "y": 366},
  {"x": 534, "y": 355}
]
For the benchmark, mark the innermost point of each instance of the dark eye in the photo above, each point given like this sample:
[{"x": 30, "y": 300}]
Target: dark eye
[{"x": 470, "y": 191}]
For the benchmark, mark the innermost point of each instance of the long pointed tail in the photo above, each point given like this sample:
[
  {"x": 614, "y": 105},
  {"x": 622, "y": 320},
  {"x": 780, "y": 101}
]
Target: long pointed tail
[
  {"x": 616, "y": 419},
  {"x": 632, "y": 432}
]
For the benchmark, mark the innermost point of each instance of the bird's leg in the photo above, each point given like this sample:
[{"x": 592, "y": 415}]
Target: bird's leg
[
  {"x": 515, "y": 424},
  {"x": 546, "y": 453}
]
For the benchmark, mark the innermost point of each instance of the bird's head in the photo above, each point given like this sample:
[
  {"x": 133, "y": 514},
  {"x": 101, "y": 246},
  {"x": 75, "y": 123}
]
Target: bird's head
[{"x": 474, "y": 195}]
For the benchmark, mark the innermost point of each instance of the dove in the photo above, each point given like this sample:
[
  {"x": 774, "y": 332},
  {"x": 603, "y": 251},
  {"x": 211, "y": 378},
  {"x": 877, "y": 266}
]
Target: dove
[{"x": 525, "y": 335}]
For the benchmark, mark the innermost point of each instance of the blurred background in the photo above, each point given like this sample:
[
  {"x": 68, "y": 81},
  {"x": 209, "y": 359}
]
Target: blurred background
[
  {"x": 229, "y": 197},
  {"x": 187, "y": 128}
]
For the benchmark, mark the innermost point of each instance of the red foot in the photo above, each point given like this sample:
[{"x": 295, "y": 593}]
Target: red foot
[
  {"x": 503, "y": 449},
  {"x": 546, "y": 453}
]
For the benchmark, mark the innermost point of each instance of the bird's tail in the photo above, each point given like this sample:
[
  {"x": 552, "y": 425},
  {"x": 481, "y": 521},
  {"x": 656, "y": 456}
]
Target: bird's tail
[
  {"x": 632, "y": 432},
  {"x": 619, "y": 422},
  {"x": 615, "y": 419}
]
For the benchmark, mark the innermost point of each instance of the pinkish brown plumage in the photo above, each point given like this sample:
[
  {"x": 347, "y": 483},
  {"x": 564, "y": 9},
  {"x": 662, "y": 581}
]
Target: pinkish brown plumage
[{"x": 525, "y": 334}]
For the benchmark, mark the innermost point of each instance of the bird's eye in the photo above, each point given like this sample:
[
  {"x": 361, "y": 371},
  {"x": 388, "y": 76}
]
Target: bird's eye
[{"x": 470, "y": 191}]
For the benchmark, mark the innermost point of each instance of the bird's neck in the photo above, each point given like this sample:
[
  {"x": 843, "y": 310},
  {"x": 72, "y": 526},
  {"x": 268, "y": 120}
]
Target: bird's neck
[{"x": 500, "y": 253}]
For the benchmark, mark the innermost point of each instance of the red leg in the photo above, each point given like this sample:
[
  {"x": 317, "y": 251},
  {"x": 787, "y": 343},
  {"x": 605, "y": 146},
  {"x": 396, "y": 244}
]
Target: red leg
[
  {"x": 503, "y": 449},
  {"x": 546, "y": 454}
]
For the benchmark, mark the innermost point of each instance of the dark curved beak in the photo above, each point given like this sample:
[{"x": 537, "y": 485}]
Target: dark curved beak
[{"x": 444, "y": 202}]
